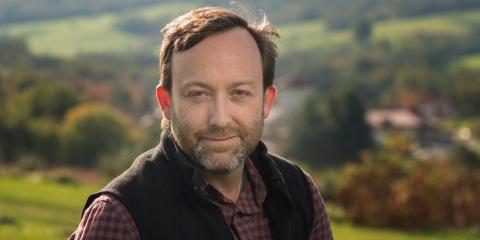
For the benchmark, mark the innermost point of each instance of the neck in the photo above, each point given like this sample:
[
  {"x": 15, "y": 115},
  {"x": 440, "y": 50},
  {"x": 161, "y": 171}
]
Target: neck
[{"x": 228, "y": 184}]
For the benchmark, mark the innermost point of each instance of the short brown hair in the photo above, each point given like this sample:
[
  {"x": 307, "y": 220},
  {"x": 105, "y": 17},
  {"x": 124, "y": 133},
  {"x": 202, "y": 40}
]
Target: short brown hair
[{"x": 187, "y": 30}]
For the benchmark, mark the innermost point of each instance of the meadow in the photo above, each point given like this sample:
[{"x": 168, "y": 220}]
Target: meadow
[{"x": 33, "y": 206}]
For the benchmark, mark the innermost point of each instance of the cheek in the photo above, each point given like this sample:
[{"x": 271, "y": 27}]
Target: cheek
[
  {"x": 189, "y": 117},
  {"x": 249, "y": 116}
]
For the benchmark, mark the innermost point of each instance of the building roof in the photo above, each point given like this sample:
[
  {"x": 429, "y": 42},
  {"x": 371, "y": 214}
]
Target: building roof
[{"x": 393, "y": 118}]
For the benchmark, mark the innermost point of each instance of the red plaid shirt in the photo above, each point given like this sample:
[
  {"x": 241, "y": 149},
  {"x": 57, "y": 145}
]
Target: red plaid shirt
[{"x": 108, "y": 219}]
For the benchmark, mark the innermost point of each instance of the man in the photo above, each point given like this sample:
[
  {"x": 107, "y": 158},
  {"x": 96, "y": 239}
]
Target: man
[{"x": 210, "y": 177}]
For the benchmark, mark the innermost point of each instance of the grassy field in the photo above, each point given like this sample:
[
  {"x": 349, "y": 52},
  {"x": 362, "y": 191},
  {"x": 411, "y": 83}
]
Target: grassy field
[
  {"x": 32, "y": 207},
  {"x": 98, "y": 34}
]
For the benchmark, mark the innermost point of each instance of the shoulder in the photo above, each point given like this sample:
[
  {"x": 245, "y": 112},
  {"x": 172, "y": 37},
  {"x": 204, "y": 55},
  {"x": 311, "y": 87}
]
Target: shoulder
[
  {"x": 321, "y": 224},
  {"x": 137, "y": 177},
  {"x": 320, "y": 228},
  {"x": 106, "y": 216},
  {"x": 294, "y": 178},
  {"x": 288, "y": 168}
]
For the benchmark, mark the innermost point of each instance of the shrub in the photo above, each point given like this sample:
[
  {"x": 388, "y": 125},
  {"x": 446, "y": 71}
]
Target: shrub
[
  {"x": 388, "y": 191},
  {"x": 90, "y": 131},
  {"x": 365, "y": 191}
]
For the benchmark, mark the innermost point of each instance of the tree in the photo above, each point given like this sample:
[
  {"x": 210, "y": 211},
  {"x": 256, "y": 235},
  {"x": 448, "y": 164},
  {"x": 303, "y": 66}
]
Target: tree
[
  {"x": 91, "y": 131},
  {"x": 13, "y": 52},
  {"x": 52, "y": 100},
  {"x": 30, "y": 121},
  {"x": 331, "y": 132},
  {"x": 362, "y": 31}
]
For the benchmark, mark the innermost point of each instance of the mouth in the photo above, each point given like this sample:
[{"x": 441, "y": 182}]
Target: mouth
[{"x": 219, "y": 139}]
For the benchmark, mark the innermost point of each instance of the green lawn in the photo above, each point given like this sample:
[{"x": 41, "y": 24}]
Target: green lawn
[
  {"x": 348, "y": 232},
  {"x": 32, "y": 208},
  {"x": 35, "y": 208}
]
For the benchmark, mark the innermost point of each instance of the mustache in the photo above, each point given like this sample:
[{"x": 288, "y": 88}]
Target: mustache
[{"x": 216, "y": 132}]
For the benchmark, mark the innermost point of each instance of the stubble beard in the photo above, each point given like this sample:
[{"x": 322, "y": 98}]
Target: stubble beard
[{"x": 207, "y": 157}]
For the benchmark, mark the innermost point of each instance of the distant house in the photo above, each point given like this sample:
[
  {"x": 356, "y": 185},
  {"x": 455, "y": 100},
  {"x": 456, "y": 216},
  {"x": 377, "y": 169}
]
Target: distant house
[
  {"x": 396, "y": 118},
  {"x": 434, "y": 110},
  {"x": 428, "y": 141}
]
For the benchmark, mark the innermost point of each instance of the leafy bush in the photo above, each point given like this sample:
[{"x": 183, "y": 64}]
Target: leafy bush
[
  {"x": 90, "y": 131},
  {"x": 388, "y": 190},
  {"x": 365, "y": 189}
]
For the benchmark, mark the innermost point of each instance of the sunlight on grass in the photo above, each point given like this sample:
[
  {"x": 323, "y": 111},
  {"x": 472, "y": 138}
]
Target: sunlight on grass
[
  {"x": 38, "y": 209},
  {"x": 345, "y": 231}
]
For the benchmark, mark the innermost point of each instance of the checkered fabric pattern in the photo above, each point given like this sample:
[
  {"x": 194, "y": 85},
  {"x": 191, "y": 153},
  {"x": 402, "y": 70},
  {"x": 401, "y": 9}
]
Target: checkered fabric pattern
[
  {"x": 321, "y": 225},
  {"x": 245, "y": 218},
  {"x": 108, "y": 219}
]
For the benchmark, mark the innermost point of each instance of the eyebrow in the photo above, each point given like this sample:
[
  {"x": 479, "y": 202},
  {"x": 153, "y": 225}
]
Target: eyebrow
[
  {"x": 204, "y": 85},
  {"x": 195, "y": 84}
]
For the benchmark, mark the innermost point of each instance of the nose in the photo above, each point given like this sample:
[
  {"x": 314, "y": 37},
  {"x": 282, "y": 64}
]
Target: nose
[{"x": 219, "y": 113}]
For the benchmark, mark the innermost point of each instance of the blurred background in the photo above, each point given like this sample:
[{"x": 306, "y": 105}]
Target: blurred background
[{"x": 378, "y": 99}]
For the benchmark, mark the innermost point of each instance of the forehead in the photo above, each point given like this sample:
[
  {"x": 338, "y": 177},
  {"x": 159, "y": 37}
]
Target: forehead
[{"x": 232, "y": 55}]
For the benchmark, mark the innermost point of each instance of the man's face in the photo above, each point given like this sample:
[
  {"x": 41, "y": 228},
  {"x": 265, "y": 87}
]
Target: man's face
[{"x": 217, "y": 100}]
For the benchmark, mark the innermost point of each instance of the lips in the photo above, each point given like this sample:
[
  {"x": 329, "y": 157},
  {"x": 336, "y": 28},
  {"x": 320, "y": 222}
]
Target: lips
[{"x": 218, "y": 139}]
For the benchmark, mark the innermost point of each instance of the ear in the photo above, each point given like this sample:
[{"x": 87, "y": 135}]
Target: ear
[
  {"x": 268, "y": 100},
  {"x": 163, "y": 98}
]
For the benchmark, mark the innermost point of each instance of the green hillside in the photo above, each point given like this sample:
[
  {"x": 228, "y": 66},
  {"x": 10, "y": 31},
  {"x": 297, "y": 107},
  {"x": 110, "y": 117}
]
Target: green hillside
[
  {"x": 92, "y": 34},
  {"x": 101, "y": 34},
  {"x": 315, "y": 35}
]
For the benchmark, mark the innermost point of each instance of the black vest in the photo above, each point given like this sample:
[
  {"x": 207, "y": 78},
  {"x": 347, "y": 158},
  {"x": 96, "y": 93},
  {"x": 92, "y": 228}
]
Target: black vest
[{"x": 157, "y": 191}]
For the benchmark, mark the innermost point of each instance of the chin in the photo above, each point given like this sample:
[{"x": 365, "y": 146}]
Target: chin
[{"x": 224, "y": 164}]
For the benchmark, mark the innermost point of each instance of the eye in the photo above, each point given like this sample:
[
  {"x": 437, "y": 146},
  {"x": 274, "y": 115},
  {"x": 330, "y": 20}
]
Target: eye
[
  {"x": 197, "y": 93},
  {"x": 241, "y": 93}
]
